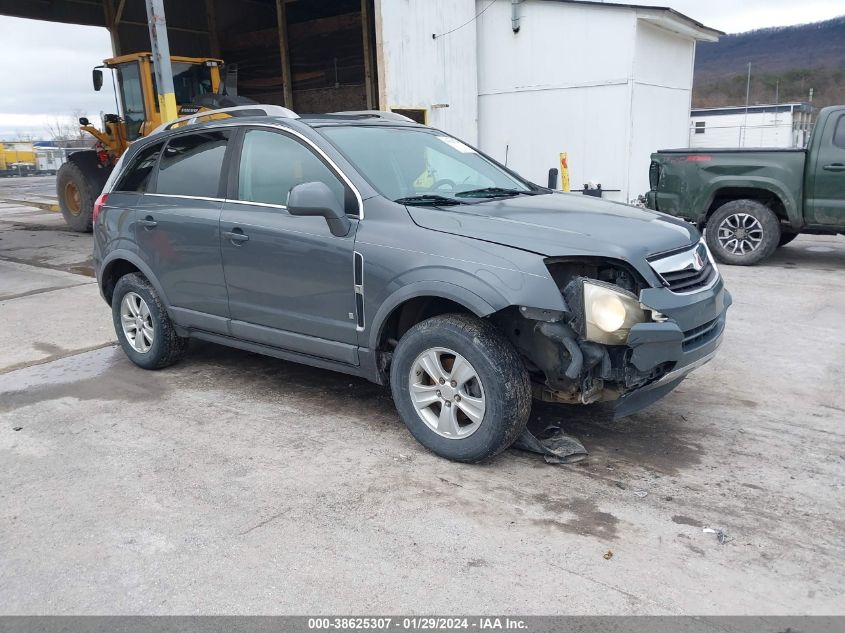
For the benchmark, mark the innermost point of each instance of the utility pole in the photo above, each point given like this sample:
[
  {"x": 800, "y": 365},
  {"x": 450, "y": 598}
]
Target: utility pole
[
  {"x": 747, "y": 99},
  {"x": 161, "y": 59}
]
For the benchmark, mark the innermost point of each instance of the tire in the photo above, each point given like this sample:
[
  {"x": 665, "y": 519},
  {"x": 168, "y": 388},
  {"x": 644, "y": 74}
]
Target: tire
[
  {"x": 500, "y": 379},
  {"x": 76, "y": 196},
  {"x": 166, "y": 347},
  {"x": 786, "y": 238},
  {"x": 742, "y": 232}
]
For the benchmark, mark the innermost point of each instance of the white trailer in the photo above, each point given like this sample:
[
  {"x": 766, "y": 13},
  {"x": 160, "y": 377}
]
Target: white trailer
[{"x": 49, "y": 159}]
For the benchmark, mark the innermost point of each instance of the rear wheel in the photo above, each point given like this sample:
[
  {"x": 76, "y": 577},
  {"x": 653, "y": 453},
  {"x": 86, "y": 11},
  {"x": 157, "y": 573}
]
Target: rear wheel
[
  {"x": 742, "y": 232},
  {"x": 143, "y": 326},
  {"x": 460, "y": 387},
  {"x": 76, "y": 196}
]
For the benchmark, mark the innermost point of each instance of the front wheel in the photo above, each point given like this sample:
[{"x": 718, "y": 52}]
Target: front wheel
[
  {"x": 460, "y": 387},
  {"x": 742, "y": 232},
  {"x": 76, "y": 196}
]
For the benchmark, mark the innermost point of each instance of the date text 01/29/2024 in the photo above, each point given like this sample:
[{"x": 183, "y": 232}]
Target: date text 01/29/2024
[{"x": 422, "y": 623}]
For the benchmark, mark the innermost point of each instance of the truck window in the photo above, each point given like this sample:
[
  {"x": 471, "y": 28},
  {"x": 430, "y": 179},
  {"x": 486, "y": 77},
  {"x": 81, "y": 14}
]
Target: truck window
[
  {"x": 137, "y": 175},
  {"x": 132, "y": 98},
  {"x": 191, "y": 165},
  {"x": 190, "y": 81},
  {"x": 839, "y": 133}
]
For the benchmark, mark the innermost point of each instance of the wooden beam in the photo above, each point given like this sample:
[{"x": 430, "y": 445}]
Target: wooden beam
[
  {"x": 211, "y": 21},
  {"x": 381, "y": 65},
  {"x": 180, "y": 29},
  {"x": 108, "y": 11},
  {"x": 297, "y": 32},
  {"x": 284, "y": 52},
  {"x": 368, "y": 54},
  {"x": 118, "y": 15}
]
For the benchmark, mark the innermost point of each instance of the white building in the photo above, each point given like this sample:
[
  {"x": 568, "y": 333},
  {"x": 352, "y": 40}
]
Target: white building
[
  {"x": 784, "y": 125},
  {"x": 608, "y": 84}
]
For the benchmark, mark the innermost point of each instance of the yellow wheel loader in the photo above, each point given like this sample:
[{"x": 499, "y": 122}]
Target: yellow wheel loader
[{"x": 198, "y": 86}]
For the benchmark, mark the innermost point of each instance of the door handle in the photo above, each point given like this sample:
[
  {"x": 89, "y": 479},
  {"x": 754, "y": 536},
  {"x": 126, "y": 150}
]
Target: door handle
[
  {"x": 236, "y": 236},
  {"x": 148, "y": 222},
  {"x": 834, "y": 167}
]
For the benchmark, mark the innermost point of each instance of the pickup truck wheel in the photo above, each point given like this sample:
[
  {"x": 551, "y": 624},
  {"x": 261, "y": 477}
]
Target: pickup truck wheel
[
  {"x": 460, "y": 387},
  {"x": 742, "y": 232},
  {"x": 786, "y": 238}
]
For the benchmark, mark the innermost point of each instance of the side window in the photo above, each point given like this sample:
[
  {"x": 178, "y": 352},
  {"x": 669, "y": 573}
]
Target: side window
[
  {"x": 839, "y": 132},
  {"x": 137, "y": 174},
  {"x": 272, "y": 164},
  {"x": 191, "y": 165}
]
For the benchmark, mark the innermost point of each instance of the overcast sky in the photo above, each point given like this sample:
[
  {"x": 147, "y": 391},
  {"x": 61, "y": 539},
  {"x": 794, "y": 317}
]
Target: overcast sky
[{"x": 53, "y": 78}]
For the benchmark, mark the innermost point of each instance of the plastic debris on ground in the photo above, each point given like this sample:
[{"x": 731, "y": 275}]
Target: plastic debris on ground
[
  {"x": 721, "y": 535},
  {"x": 553, "y": 444}
]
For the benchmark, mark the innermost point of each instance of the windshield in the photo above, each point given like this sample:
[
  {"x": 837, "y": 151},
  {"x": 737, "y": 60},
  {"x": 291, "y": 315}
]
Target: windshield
[{"x": 423, "y": 165}]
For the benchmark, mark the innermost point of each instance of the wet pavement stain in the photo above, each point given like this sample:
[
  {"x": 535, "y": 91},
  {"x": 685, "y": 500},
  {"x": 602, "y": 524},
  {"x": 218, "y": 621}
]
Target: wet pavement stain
[
  {"x": 49, "y": 348},
  {"x": 682, "y": 520},
  {"x": 588, "y": 519},
  {"x": 655, "y": 440},
  {"x": 99, "y": 375}
]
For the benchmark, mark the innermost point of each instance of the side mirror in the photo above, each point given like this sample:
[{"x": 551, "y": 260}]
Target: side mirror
[
  {"x": 97, "y": 76},
  {"x": 316, "y": 198}
]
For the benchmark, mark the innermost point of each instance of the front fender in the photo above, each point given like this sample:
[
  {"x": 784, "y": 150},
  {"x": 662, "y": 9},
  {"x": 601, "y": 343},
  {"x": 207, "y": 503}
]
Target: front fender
[{"x": 432, "y": 288}]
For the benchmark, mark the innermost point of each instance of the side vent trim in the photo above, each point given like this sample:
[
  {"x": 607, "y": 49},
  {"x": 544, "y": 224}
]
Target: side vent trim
[{"x": 358, "y": 278}]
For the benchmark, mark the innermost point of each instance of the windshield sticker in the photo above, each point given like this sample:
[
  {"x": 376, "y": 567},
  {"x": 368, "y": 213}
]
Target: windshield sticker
[{"x": 456, "y": 144}]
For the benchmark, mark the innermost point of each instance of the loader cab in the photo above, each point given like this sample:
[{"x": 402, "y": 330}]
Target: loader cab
[{"x": 137, "y": 92}]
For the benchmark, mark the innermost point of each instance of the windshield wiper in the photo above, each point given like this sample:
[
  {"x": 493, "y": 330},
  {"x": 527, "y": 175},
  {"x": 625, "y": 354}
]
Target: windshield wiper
[
  {"x": 428, "y": 199},
  {"x": 494, "y": 192}
]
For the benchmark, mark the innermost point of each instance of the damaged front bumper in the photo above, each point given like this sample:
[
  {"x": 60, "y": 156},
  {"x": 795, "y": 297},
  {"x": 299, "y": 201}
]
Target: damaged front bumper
[
  {"x": 688, "y": 339},
  {"x": 655, "y": 358}
]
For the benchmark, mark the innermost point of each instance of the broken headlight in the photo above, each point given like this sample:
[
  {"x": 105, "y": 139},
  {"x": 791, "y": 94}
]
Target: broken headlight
[{"x": 606, "y": 312}]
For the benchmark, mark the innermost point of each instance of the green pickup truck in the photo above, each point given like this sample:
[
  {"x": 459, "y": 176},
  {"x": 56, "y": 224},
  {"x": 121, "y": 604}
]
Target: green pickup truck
[{"x": 750, "y": 201}]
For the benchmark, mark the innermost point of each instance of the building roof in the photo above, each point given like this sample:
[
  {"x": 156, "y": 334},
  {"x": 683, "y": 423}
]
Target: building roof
[
  {"x": 665, "y": 17},
  {"x": 754, "y": 109}
]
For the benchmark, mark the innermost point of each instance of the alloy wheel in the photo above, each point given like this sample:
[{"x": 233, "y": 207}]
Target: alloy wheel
[
  {"x": 740, "y": 234},
  {"x": 447, "y": 393},
  {"x": 137, "y": 322}
]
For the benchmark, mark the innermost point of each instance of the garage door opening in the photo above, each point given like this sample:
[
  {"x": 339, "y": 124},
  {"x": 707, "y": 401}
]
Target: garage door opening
[{"x": 319, "y": 57}]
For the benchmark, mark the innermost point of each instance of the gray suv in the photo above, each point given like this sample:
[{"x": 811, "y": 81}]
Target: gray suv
[{"x": 368, "y": 244}]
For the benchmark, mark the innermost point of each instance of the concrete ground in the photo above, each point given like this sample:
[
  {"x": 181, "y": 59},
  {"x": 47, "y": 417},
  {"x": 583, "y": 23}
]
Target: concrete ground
[{"x": 233, "y": 483}]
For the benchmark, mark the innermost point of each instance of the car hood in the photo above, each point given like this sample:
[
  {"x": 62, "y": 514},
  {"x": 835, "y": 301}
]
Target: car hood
[{"x": 559, "y": 224}]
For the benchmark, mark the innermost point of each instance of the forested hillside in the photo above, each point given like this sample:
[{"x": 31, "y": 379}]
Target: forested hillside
[{"x": 796, "y": 58}]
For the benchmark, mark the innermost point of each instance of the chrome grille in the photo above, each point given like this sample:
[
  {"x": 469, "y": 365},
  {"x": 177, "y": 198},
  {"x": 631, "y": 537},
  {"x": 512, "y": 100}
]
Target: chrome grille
[{"x": 686, "y": 271}]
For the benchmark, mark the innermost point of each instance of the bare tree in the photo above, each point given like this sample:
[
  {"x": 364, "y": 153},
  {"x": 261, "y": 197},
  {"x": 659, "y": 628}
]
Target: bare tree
[{"x": 66, "y": 128}]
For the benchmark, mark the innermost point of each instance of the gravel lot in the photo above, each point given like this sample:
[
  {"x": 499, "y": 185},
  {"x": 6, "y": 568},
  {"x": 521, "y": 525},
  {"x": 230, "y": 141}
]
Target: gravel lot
[{"x": 234, "y": 483}]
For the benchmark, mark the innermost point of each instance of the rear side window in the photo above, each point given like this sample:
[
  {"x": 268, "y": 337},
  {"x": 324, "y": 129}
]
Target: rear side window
[
  {"x": 191, "y": 165},
  {"x": 839, "y": 133},
  {"x": 272, "y": 163},
  {"x": 138, "y": 173}
]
